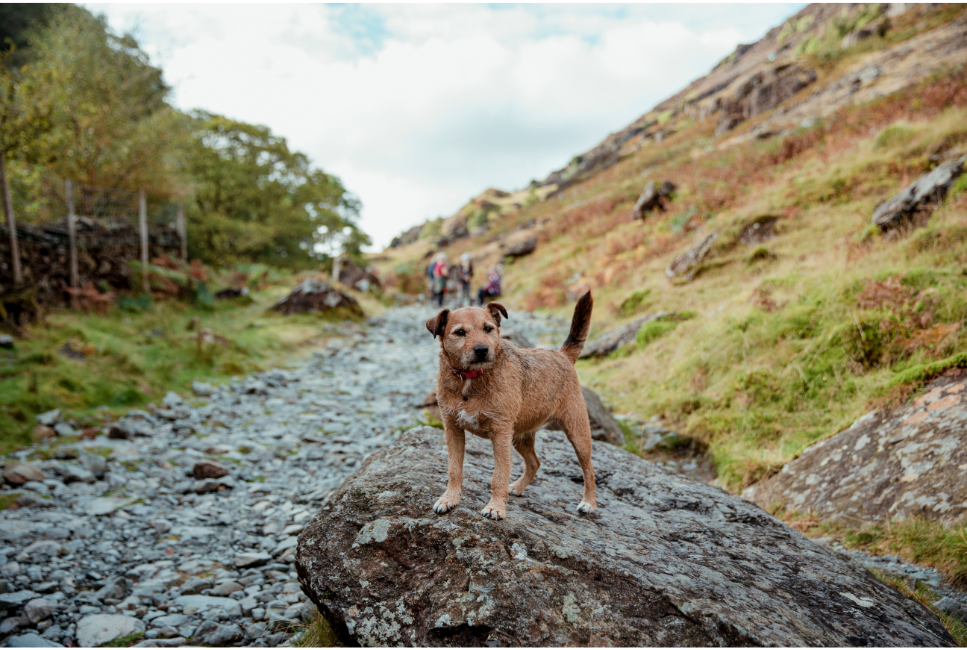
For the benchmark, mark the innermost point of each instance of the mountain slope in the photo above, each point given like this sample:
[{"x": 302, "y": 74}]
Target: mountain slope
[{"x": 780, "y": 156}]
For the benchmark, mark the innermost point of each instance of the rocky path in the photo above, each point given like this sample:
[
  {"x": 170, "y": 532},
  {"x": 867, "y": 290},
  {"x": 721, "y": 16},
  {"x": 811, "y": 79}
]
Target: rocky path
[{"x": 180, "y": 524}]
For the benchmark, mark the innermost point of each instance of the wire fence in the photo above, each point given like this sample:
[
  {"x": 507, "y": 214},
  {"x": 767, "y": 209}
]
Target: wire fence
[{"x": 59, "y": 235}]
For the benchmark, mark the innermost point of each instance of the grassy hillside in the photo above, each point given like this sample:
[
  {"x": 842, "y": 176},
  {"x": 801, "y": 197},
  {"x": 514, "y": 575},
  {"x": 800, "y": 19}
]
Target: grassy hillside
[
  {"x": 94, "y": 366},
  {"x": 795, "y": 336}
]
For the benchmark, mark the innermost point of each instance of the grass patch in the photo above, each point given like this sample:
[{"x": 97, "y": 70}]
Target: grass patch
[
  {"x": 316, "y": 634},
  {"x": 125, "y": 641},
  {"x": 8, "y": 499},
  {"x": 135, "y": 357}
]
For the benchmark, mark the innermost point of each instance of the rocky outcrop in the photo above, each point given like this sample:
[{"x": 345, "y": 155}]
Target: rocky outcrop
[
  {"x": 521, "y": 248},
  {"x": 762, "y": 91},
  {"x": 614, "y": 339},
  {"x": 516, "y": 338},
  {"x": 920, "y": 198},
  {"x": 685, "y": 265},
  {"x": 663, "y": 561},
  {"x": 900, "y": 463},
  {"x": 407, "y": 237},
  {"x": 651, "y": 198},
  {"x": 315, "y": 296},
  {"x": 357, "y": 277}
]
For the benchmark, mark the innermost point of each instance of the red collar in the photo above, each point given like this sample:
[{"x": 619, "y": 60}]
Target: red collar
[{"x": 467, "y": 374}]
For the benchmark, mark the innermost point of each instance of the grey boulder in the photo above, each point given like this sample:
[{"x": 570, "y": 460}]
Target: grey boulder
[
  {"x": 664, "y": 561},
  {"x": 908, "y": 461},
  {"x": 920, "y": 197},
  {"x": 603, "y": 425}
]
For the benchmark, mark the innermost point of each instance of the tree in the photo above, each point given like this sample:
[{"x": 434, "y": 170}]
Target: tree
[
  {"x": 23, "y": 117},
  {"x": 110, "y": 125},
  {"x": 255, "y": 199}
]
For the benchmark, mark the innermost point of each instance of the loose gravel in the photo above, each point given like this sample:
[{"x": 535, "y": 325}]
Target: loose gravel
[{"x": 178, "y": 524}]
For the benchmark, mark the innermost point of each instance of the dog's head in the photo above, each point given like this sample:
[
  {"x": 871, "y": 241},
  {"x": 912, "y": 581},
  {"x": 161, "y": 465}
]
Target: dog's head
[{"x": 470, "y": 337}]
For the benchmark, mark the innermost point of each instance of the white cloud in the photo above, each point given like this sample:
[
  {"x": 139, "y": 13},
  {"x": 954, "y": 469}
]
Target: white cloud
[{"x": 420, "y": 107}]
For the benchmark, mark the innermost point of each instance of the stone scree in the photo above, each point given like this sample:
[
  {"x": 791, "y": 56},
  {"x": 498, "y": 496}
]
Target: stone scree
[
  {"x": 911, "y": 461},
  {"x": 663, "y": 562}
]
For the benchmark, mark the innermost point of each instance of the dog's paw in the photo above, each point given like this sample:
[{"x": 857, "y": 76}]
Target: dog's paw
[
  {"x": 493, "y": 511},
  {"x": 585, "y": 508},
  {"x": 516, "y": 489},
  {"x": 446, "y": 503}
]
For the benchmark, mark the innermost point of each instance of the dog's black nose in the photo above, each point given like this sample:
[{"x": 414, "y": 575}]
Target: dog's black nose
[{"x": 481, "y": 351}]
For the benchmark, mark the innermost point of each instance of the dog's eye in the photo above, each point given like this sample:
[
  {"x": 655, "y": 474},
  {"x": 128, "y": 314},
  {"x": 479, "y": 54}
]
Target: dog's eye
[
  {"x": 460, "y": 333},
  {"x": 488, "y": 329}
]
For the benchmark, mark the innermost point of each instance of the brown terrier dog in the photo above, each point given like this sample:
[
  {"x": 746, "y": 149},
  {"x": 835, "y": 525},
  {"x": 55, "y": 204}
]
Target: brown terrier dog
[{"x": 494, "y": 390}]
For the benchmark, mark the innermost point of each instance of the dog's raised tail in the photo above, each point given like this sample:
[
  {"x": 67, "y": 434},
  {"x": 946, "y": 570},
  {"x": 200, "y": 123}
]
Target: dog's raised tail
[{"x": 580, "y": 325}]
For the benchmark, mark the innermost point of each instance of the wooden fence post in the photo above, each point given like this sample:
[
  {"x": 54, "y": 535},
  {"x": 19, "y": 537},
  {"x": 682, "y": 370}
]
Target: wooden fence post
[
  {"x": 11, "y": 223},
  {"x": 183, "y": 232},
  {"x": 143, "y": 223},
  {"x": 72, "y": 235}
]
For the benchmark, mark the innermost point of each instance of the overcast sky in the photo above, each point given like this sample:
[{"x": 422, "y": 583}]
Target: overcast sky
[{"x": 420, "y": 107}]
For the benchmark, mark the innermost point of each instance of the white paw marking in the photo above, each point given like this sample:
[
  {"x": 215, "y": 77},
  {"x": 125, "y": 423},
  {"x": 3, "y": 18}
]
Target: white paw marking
[{"x": 585, "y": 508}]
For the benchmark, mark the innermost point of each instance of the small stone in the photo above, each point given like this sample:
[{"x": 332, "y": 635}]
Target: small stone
[
  {"x": 221, "y": 635},
  {"x": 172, "y": 399},
  {"x": 6, "y": 341},
  {"x": 119, "y": 432},
  {"x": 168, "y": 632},
  {"x": 19, "y": 473},
  {"x": 195, "y": 585},
  {"x": 202, "y": 604},
  {"x": 42, "y": 432},
  {"x": 252, "y": 559},
  {"x": 202, "y": 389},
  {"x": 226, "y": 588},
  {"x": 106, "y": 505},
  {"x": 49, "y": 419},
  {"x": 116, "y": 588},
  {"x": 954, "y": 608},
  {"x": 98, "y": 629},
  {"x": 93, "y": 463},
  {"x": 205, "y": 469},
  {"x": 31, "y": 640},
  {"x": 64, "y": 429},
  {"x": 17, "y": 598},
  {"x": 75, "y": 474},
  {"x": 33, "y": 501},
  {"x": 287, "y": 543},
  {"x": 38, "y": 609}
]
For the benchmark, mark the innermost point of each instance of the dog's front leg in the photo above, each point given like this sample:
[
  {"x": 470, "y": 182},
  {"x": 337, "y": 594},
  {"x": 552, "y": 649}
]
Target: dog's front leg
[
  {"x": 456, "y": 440},
  {"x": 503, "y": 441}
]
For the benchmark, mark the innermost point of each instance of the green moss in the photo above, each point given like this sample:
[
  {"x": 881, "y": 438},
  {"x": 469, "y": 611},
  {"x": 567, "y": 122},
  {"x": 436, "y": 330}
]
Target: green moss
[
  {"x": 637, "y": 300},
  {"x": 125, "y": 641},
  {"x": 653, "y": 330}
]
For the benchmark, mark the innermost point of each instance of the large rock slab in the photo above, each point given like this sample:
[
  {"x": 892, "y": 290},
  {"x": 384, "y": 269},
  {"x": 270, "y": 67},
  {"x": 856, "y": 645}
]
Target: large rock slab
[
  {"x": 603, "y": 425},
  {"x": 664, "y": 561},
  {"x": 614, "y": 339},
  {"x": 920, "y": 197},
  {"x": 98, "y": 629},
  {"x": 908, "y": 461}
]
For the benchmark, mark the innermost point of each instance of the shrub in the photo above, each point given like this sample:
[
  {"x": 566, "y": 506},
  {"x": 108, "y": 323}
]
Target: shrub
[{"x": 632, "y": 303}]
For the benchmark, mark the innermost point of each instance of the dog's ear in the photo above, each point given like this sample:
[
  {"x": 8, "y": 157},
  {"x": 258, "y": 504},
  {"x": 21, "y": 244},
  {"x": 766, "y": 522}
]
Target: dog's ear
[
  {"x": 438, "y": 323},
  {"x": 496, "y": 309}
]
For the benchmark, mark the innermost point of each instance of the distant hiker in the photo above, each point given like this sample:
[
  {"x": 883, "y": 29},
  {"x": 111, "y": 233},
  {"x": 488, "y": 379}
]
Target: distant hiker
[
  {"x": 465, "y": 275},
  {"x": 492, "y": 288},
  {"x": 441, "y": 271}
]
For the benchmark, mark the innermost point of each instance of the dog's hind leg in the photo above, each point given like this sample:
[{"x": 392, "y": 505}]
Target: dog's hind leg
[
  {"x": 497, "y": 507},
  {"x": 524, "y": 444},
  {"x": 577, "y": 427},
  {"x": 456, "y": 442}
]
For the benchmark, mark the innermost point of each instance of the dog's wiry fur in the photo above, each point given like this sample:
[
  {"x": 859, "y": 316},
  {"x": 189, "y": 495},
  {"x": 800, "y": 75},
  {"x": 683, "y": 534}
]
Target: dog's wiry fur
[{"x": 519, "y": 390}]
